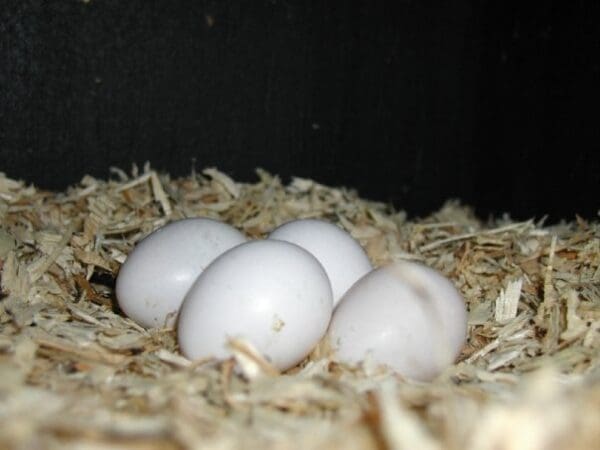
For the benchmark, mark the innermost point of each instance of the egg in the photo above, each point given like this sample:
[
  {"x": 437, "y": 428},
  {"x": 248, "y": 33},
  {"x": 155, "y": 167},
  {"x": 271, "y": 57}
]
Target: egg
[
  {"x": 272, "y": 293},
  {"x": 406, "y": 316},
  {"x": 158, "y": 272},
  {"x": 343, "y": 258}
]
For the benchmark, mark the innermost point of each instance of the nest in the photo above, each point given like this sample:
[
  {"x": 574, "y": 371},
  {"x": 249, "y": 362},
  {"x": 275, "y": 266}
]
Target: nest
[{"x": 75, "y": 373}]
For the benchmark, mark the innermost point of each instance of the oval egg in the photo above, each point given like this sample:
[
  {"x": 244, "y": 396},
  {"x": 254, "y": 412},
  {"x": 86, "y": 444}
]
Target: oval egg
[
  {"x": 272, "y": 293},
  {"x": 343, "y": 258},
  {"x": 406, "y": 316},
  {"x": 158, "y": 272}
]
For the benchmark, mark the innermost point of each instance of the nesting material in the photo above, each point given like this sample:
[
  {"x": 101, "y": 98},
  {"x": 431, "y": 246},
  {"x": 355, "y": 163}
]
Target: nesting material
[{"x": 76, "y": 373}]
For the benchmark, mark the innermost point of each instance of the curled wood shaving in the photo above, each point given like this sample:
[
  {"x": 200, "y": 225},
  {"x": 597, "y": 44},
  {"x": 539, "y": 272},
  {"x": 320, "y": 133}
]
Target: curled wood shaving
[{"x": 250, "y": 361}]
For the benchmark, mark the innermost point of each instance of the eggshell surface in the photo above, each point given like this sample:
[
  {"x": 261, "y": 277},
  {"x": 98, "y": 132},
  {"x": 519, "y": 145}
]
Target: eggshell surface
[
  {"x": 343, "y": 258},
  {"x": 272, "y": 293},
  {"x": 406, "y": 316},
  {"x": 158, "y": 272}
]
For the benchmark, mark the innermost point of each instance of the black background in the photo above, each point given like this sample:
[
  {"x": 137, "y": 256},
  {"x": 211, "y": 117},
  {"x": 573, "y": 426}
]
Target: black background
[{"x": 407, "y": 101}]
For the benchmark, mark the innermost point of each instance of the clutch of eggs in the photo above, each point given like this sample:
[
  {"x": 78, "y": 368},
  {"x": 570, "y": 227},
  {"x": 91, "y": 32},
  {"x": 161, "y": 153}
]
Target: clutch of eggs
[{"x": 284, "y": 293}]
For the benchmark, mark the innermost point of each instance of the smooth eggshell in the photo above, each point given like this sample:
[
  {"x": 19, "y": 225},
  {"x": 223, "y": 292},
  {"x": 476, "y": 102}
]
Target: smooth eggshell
[
  {"x": 272, "y": 293},
  {"x": 158, "y": 272},
  {"x": 343, "y": 258},
  {"x": 406, "y": 315}
]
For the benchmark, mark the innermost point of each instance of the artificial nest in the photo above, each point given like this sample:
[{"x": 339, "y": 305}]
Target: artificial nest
[{"x": 75, "y": 373}]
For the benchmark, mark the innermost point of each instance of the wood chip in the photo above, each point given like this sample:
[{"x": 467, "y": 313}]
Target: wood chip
[{"x": 508, "y": 301}]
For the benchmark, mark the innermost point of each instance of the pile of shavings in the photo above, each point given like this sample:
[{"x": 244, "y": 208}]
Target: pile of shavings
[{"x": 75, "y": 373}]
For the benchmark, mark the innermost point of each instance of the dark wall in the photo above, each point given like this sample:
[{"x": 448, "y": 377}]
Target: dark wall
[{"x": 406, "y": 101}]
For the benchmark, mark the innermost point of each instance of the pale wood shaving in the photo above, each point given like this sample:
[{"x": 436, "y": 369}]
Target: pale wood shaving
[{"x": 508, "y": 301}]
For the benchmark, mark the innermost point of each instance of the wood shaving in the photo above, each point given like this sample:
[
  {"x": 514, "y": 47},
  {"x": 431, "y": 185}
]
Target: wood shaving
[
  {"x": 75, "y": 373},
  {"x": 508, "y": 301}
]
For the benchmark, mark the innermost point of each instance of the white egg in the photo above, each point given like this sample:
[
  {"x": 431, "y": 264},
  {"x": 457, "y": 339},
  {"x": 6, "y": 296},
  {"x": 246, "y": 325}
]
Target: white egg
[
  {"x": 274, "y": 294},
  {"x": 343, "y": 258},
  {"x": 158, "y": 272},
  {"x": 406, "y": 316}
]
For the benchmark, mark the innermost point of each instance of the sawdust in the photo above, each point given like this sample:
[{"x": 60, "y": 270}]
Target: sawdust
[{"x": 76, "y": 374}]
